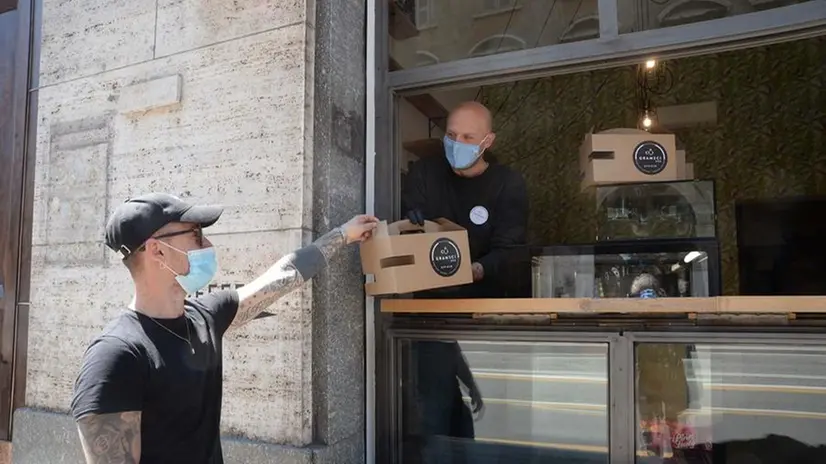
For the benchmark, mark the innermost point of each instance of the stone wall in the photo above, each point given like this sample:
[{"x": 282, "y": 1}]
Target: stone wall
[{"x": 254, "y": 104}]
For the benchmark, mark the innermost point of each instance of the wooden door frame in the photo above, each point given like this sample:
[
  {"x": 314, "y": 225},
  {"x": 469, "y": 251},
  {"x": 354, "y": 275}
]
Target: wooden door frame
[{"x": 16, "y": 202}]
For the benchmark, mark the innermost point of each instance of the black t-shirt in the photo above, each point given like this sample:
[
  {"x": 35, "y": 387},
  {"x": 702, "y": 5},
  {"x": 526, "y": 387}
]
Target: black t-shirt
[
  {"x": 493, "y": 207},
  {"x": 136, "y": 365}
]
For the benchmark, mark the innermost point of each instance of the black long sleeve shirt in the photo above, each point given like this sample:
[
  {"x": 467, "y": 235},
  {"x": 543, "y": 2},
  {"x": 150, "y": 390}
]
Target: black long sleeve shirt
[{"x": 499, "y": 193}]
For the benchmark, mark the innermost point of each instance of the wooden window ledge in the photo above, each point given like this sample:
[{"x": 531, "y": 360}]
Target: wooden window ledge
[{"x": 713, "y": 305}]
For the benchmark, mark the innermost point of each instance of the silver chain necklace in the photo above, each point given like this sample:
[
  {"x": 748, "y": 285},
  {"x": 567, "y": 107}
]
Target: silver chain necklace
[{"x": 187, "y": 339}]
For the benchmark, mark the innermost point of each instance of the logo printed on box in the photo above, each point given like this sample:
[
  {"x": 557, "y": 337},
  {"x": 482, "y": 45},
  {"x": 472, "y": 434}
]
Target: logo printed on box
[
  {"x": 445, "y": 257},
  {"x": 650, "y": 158}
]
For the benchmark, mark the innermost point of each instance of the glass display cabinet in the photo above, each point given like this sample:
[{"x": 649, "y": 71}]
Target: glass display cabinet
[
  {"x": 683, "y": 209},
  {"x": 641, "y": 269}
]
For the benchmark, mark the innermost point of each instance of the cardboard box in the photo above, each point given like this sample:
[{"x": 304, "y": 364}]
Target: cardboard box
[
  {"x": 628, "y": 155},
  {"x": 685, "y": 171},
  {"x": 404, "y": 257}
]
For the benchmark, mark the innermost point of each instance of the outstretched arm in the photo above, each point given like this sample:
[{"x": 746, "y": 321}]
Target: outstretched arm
[
  {"x": 291, "y": 271},
  {"x": 111, "y": 438}
]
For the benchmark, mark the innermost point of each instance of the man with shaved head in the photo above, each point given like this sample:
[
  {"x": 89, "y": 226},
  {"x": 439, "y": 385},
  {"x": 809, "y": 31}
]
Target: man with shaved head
[
  {"x": 490, "y": 201},
  {"x": 486, "y": 198}
]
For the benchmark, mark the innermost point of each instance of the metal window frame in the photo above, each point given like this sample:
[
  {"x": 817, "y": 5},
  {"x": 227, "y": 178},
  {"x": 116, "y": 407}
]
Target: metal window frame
[
  {"x": 395, "y": 335},
  {"x": 613, "y": 49},
  {"x": 25, "y": 42},
  {"x": 777, "y": 337},
  {"x": 378, "y": 133},
  {"x": 371, "y": 73},
  {"x": 621, "y": 357},
  {"x": 621, "y": 413},
  {"x": 480, "y": 334},
  {"x": 610, "y": 49},
  {"x": 722, "y": 338}
]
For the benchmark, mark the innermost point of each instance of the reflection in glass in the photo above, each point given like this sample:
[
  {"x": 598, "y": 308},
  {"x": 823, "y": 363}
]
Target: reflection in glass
[
  {"x": 459, "y": 29},
  {"x": 652, "y": 269},
  {"x": 485, "y": 402},
  {"x": 730, "y": 403},
  {"x": 643, "y": 15},
  {"x": 684, "y": 209}
]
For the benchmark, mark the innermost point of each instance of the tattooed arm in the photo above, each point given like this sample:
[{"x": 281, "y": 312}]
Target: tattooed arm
[
  {"x": 111, "y": 438},
  {"x": 291, "y": 271}
]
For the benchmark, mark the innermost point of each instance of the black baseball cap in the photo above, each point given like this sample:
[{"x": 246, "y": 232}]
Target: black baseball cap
[{"x": 133, "y": 222}]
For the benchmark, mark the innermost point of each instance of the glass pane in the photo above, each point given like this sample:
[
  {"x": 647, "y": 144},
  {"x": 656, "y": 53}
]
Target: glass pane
[
  {"x": 654, "y": 269},
  {"x": 479, "y": 28},
  {"x": 642, "y": 15},
  {"x": 730, "y": 403},
  {"x": 683, "y": 209},
  {"x": 540, "y": 402}
]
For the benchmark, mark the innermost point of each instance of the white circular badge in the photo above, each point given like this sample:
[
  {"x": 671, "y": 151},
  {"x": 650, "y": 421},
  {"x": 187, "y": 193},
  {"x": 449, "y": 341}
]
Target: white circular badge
[{"x": 479, "y": 215}]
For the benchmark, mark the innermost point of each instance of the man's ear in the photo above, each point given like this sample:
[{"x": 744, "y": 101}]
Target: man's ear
[
  {"x": 154, "y": 250},
  {"x": 489, "y": 140}
]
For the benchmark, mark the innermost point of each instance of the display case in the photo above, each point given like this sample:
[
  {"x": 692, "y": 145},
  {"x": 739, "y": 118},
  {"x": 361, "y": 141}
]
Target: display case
[
  {"x": 620, "y": 269},
  {"x": 655, "y": 210}
]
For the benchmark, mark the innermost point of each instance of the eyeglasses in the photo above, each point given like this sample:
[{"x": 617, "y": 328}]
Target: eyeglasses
[{"x": 199, "y": 235}]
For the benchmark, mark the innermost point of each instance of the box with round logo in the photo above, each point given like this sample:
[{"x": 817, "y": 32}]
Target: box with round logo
[
  {"x": 403, "y": 257},
  {"x": 631, "y": 155}
]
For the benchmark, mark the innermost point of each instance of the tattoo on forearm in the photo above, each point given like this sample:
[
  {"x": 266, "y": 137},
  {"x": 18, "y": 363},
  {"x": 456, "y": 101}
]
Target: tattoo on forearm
[
  {"x": 282, "y": 278},
  {"x": 111, "y": 438},
  {"x": 259, "y": 295},
  {"x": 330, "y": 243}
]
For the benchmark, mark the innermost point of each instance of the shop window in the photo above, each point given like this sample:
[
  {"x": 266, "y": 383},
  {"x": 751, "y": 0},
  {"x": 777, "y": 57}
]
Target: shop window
[
  {"x": 483, "y": 401},
  {"x": 731, "y": 402},
  {"x": 541, "y": 125},
  {"x": 497, "y": 44}
]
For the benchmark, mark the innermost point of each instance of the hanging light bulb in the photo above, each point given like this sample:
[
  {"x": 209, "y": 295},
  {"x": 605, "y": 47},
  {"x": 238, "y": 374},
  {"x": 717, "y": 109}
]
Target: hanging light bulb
[
  {"x": 647, "y": 121},
  {"x": 650, "y": 64}
]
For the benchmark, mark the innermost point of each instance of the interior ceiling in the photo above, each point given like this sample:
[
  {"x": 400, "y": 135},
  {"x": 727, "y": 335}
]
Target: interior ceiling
[{"x": 436, "y": 105}]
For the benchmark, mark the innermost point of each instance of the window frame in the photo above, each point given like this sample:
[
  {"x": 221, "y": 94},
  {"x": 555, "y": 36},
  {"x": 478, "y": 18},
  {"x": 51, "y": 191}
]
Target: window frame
[
  {"x": 611, "y": 49},
  {"x": 621, "y": 389},
  {"x": 16, "y": 254}
]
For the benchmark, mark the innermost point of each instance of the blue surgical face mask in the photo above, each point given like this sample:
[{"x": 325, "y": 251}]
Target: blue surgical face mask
[
  {"x": 203, "y": 265},
  {"x": 462, "y": 155},
  {"x": 648, "y": 293}
]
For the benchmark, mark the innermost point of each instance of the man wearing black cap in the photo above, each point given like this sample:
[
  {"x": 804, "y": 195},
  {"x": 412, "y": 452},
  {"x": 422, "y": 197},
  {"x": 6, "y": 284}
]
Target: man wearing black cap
[{"x": 149, "y": 388}]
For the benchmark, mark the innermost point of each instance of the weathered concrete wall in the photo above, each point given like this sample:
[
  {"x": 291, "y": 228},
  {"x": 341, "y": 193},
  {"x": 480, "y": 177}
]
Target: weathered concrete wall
[
  {"x": 216, "y": 102},
  {"x": 338, "y": 180}
]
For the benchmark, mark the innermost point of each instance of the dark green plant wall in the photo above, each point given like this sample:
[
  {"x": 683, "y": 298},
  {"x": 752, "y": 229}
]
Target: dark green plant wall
[{"x": 769, "y": 140}]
